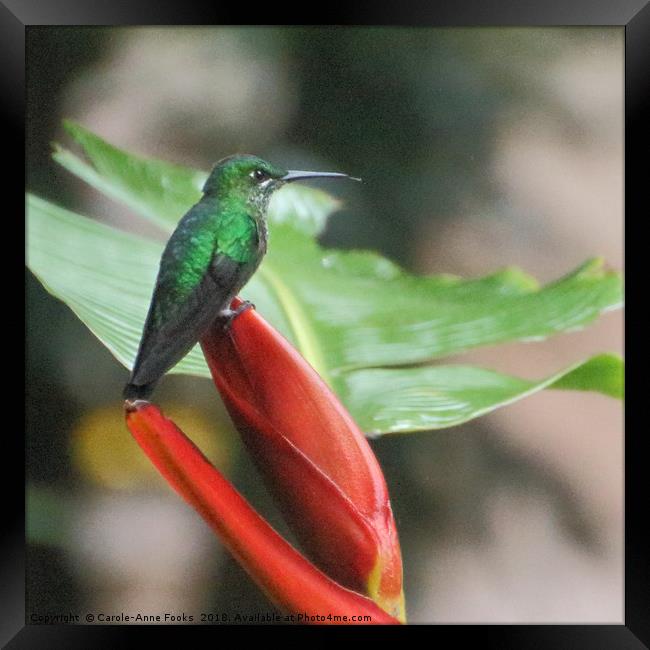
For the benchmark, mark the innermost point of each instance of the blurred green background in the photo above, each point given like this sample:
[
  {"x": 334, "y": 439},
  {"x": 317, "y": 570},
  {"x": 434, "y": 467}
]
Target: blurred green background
[{"x": 479, "y": 148}]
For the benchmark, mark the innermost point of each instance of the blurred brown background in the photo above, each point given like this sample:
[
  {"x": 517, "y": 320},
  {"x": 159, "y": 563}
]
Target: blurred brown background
[{"x": 479, "y": 148}]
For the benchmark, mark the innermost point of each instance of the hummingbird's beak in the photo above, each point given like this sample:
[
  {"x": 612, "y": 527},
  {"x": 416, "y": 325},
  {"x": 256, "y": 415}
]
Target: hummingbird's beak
[{"x": 293, "y": 175}]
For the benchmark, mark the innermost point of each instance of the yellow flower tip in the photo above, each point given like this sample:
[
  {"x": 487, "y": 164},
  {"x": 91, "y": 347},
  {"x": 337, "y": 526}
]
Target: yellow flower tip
[{"x": 391, "y": 602}]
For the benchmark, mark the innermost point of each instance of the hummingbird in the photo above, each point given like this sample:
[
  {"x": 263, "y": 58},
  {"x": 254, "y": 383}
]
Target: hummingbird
[{"x": 213, "y": 252}]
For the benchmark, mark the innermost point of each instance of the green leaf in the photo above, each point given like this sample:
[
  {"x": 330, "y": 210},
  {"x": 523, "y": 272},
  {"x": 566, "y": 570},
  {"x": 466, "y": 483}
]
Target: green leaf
[
  {"x": 157, "y": 190},
  {"x": 359, "y": 310},
  {"x": 604, "y": 373},
  {"x": 105, "y": 276},
  {"x": 357, "y": 317},
  {"x": 443, "y": 396},
  {"x": 162, "y": 192}
]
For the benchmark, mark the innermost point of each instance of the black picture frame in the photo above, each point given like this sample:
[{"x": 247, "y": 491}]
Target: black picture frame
[{"x": 16, "y": 16}]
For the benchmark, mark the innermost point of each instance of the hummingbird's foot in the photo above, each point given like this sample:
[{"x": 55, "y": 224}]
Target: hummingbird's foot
[{"x": 231, "y": 314}]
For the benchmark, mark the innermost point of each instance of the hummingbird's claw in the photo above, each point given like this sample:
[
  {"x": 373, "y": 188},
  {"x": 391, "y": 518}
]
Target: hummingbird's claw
[{"x": 231, "y": 314}]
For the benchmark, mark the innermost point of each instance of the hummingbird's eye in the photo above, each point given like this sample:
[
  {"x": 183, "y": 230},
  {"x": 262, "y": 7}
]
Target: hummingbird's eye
[{"x": 259, "y": 175}]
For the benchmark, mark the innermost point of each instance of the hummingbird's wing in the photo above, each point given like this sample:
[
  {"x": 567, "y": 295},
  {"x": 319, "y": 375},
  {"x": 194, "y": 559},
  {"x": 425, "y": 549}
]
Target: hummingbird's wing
[{"x": 174, "y": 326}]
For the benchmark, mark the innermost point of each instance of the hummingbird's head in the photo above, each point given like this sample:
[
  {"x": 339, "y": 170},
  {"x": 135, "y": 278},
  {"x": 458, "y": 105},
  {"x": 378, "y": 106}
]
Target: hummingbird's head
[{"x": 252, "y": 179}]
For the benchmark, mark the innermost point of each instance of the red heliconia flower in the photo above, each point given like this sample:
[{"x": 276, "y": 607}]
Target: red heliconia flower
[
  {"x": 287, "y": 578},
  {"x": 314, "y": 458}
]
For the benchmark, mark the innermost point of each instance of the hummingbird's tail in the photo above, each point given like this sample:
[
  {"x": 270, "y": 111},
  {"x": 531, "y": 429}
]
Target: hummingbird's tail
[{"x": 133, "y": 392}]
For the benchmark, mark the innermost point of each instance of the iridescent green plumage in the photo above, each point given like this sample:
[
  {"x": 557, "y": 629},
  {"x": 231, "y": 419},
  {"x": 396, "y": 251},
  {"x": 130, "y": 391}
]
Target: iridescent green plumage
[{"x": 215, "y": 249}]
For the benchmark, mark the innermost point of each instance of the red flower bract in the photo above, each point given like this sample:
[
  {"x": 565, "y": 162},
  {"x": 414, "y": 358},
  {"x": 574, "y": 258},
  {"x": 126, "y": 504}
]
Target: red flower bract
[
  {"x": 288, "y": 579},
  {"x": 316, "y": 461}
]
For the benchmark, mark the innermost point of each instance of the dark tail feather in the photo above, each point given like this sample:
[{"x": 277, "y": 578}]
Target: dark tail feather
[{"x": 133, "y": 392}]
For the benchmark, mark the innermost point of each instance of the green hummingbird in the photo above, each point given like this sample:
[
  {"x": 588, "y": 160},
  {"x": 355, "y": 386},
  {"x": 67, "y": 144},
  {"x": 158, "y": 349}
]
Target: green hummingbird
[{"x": 213, "y": 252}]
